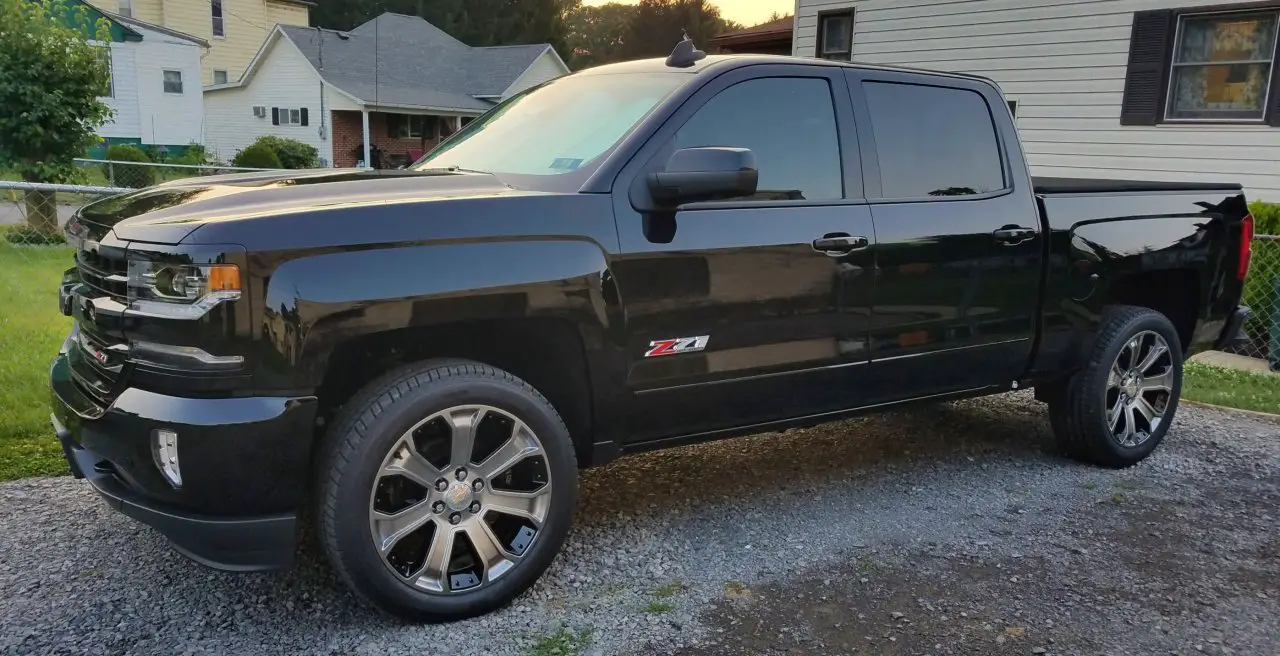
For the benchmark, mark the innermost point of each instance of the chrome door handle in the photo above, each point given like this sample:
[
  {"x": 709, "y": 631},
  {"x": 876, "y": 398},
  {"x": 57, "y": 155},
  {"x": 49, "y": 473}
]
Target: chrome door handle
[{"x": 838, "y": 244}]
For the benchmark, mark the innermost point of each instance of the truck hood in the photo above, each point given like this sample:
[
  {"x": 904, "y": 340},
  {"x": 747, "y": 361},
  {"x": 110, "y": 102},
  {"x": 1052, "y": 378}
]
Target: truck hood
[{"x": 171, "y": 212}]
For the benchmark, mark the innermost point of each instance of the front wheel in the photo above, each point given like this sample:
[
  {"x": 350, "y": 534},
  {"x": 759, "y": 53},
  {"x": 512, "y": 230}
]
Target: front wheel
[
  {"x": 446, "y": 489},
  {"x": 1118, "y": 408}
]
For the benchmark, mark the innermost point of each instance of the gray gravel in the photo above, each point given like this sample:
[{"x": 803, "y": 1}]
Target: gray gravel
[{"x": 944, "y": 529}]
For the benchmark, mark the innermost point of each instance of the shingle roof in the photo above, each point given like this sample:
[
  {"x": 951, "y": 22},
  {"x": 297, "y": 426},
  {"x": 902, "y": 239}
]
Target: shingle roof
[{"x": 418, "y": 64}]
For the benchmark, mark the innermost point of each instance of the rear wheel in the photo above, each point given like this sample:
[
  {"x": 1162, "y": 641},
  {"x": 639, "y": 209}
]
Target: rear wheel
[
  {"x": 1118, "y": 408},
  {"x": 447, "y": 489}
]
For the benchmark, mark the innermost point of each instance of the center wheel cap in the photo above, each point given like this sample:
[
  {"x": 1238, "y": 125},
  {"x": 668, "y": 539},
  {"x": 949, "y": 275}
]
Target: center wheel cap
[{"x": 458, "y": 496}]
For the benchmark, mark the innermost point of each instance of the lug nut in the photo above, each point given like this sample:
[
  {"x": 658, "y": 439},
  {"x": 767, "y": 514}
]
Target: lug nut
[
  {"x": 455, "y": 518},
  {"x": 437, "y": 507},
  {"x": 477, "y": 485},
  {"x": 461, "y": 474},
  {"x": 475, "y": 507},
  {"x": 442, "y": 485}
]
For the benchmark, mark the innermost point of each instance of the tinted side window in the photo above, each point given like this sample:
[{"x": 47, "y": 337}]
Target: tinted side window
[
  {"x": 789, "y": 123},
  {"x": 933, "y": 141}
]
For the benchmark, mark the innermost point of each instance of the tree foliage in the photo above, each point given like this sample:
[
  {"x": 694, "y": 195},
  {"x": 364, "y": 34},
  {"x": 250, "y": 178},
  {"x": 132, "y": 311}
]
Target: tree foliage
[
  {"x": 658, "y": 25},
  {"x": 51, "y": 79},
  {"x": 597, "y": 34}
]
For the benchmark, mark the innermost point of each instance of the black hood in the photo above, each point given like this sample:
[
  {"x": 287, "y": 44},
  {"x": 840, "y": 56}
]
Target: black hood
[{"x": 171, "y": 212}]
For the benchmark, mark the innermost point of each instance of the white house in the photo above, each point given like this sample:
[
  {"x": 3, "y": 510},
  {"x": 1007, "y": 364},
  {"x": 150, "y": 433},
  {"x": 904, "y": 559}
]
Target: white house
[
  {"x": 1178, "y": 90},
  {"x": 155, "y": 86},
  {"x": 396, "y": 83}
]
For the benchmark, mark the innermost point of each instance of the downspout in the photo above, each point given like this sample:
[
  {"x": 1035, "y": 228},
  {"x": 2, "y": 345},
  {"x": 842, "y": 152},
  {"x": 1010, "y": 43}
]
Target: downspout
[{"x": 364, "y": 114}]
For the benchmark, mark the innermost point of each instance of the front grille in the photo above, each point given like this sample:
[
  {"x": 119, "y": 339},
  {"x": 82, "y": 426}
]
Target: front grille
[{"x": 105, "y": 275}]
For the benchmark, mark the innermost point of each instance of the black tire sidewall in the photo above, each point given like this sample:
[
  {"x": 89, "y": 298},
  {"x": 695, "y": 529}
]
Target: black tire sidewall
[
  {"x": 1089, "y": 395},
  {"x": 372, "y": 578}
]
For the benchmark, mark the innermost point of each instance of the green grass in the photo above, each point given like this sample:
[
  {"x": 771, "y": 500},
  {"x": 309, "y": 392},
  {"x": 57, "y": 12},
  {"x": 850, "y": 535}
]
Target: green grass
[
  {"x": 31, "y": 329},
  {"x": 561, "y": 643},
  {"x": 668, "y": 590},
  {"x": 1234, "y": 389},
  {"x": 659, "y": 607}
]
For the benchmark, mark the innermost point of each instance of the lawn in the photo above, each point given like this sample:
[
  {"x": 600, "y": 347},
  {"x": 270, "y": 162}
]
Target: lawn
[
  {"x": 1231, "y": 388},
  {"x": 31, "y": 330}
]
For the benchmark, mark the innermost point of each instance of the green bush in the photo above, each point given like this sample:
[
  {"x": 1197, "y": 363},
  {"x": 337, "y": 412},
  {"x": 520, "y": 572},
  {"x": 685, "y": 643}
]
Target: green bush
[
  {"x": 25, "y": 235},
  {"x": 123, "y": 175},
  {"x": 293, "y": 154},
  {"x": 257, "y": 156},
  {"x": 1266, "y": 217},
  {"x": 195, "y": 155}
]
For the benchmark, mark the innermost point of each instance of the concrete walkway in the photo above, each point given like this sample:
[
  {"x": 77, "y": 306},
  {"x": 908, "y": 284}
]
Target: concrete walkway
[{"x": 1232, "y": 361}]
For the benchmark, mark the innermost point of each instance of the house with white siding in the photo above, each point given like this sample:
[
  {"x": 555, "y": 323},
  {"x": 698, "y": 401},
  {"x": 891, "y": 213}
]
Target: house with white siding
[
  {"x": 385, "y": 92},
  {"x": 1176, "y": 90},
  {"x": 154, "y": 90}
]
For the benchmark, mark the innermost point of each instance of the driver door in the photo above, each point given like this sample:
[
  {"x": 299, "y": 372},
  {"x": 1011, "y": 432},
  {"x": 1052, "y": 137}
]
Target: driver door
[{"x": 733, "y": 317}]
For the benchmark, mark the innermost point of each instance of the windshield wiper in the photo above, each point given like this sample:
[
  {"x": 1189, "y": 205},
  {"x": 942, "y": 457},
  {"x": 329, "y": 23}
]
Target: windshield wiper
[{"x": 453, "y": 169}]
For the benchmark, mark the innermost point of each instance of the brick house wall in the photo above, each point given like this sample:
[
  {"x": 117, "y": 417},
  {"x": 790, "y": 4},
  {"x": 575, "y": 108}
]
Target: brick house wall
[{"x": 348, "y": 139}]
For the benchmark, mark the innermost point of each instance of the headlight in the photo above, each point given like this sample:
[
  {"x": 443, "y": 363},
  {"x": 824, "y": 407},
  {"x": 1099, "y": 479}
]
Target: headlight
[{"x": 180, "y": 291}]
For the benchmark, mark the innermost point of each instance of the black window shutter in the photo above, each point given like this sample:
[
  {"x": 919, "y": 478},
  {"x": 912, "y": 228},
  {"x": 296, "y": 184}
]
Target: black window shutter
[
  {"x": 304, "y": 115},
  {"x": 275, "y": 116},
  {"x": 1145, "y": 79}
]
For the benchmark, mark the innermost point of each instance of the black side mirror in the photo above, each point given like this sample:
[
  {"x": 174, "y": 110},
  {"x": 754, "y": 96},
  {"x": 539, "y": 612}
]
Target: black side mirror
[{"x": 703, "y": 174}]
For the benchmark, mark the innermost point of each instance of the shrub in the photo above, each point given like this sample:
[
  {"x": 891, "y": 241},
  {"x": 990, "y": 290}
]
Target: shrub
[
  {"x": 1266, "y": 217},
  {"x": 123, "y": 175},
  {"x": 257, "y": 156},
  {"x": 195, "y": 155},
  {"x": 293, "y": 154},
  {"x": 25, "y": 235}
]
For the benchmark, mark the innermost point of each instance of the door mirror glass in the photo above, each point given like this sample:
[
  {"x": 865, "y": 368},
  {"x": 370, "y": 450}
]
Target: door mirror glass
[{"x": 705, "y": 174}]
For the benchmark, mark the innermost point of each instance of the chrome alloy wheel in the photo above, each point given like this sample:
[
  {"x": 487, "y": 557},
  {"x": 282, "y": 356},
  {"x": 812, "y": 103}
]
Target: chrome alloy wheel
[
  {"x": 459, "y": 499},
  {"x": 1139, "y": 386}
]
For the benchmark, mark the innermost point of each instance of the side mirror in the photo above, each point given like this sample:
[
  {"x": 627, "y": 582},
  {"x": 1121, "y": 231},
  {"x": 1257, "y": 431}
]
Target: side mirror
[{"x": 702, "y": 174}]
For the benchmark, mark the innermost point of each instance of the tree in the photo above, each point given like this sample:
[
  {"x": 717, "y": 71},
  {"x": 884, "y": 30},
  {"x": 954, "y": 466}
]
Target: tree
[
  {"x": 51, "y": 79},
  {"x": 597, "y": 34},
  {"x": 657, "y": 26}
]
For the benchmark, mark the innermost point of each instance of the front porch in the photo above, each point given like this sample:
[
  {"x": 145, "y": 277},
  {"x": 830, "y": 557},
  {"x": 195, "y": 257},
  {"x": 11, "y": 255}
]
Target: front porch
[{"x": 395, "y": 138}]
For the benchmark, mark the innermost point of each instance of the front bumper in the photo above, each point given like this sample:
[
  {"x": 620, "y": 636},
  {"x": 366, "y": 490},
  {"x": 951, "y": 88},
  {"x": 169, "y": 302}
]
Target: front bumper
[{"x": 244, "y": 465}]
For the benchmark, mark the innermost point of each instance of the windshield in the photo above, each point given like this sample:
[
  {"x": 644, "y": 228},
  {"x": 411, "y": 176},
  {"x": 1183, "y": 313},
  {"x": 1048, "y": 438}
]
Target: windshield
[{"x": 556, "y": 128}]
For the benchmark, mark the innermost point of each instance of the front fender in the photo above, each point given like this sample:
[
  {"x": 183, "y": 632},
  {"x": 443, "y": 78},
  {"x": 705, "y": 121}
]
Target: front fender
[{"x": 315, "y": 303}]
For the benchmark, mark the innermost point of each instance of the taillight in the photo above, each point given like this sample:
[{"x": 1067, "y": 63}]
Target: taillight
[{"x": 1246, "y": 246}]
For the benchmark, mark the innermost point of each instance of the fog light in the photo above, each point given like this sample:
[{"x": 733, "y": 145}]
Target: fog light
[{"x": 164, "y": 447}]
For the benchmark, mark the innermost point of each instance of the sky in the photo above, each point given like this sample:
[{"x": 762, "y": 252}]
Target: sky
[{"x": 747, "y": 12}]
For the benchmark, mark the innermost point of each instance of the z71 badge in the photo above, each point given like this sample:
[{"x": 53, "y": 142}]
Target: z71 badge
[{"x": 677, "y": 346}]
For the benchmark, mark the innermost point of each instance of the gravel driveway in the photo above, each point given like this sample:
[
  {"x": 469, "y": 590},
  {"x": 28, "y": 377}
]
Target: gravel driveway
[{"x": 947, "y": 529}]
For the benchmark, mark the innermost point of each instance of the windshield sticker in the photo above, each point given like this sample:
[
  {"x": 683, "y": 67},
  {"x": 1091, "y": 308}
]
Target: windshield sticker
[{"x": 566, "y": 164}]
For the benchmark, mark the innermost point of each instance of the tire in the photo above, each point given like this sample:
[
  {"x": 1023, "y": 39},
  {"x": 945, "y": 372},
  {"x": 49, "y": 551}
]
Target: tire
[
  {"x": 385, "y": 446},
  {"x": 1117, "y": 409}
]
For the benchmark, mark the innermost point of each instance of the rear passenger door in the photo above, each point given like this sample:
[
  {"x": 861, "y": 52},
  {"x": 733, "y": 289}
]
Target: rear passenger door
[{"x": 959, "y": 247}]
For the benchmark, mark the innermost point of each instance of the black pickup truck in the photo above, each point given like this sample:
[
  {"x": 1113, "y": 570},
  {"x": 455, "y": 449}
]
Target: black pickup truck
[{"x": 632, "y": 257}]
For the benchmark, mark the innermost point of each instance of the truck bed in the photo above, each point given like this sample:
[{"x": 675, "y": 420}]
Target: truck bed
[{"x": 1101, "y": 186}]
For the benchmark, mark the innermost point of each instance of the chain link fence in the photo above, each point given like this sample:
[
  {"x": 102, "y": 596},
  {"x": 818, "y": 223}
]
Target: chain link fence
[{"x": 1262, "y": 295}]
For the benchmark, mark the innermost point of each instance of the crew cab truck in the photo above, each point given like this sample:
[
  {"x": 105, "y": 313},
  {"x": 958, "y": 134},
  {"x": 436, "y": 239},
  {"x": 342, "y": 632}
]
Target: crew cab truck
[{"x": 631, "y": 257}]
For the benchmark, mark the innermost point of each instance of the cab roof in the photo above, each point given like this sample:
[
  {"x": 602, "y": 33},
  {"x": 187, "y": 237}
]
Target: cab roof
[{"x": 720, "y": 63}]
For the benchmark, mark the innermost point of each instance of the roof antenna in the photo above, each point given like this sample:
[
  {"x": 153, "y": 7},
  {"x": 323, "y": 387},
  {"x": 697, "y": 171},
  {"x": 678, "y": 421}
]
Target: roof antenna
[{"x": 685, "y": 54}]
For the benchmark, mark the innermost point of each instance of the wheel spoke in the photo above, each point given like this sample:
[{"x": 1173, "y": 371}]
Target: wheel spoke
[
  {"x": 1129, "y": 426},
  {"x": 1116, "y": 411},
  {"x": 1158, "y": 349},
  {"x": 495, "y": 559},
  {"x": 1134, "y": 347},
  {"x": 1159, "y": 383},
  {"x": 391, "y": 527},
  {"x": 529, "y": 505},
  {"x": 519, "y": 446},
  {"x": 409, "y": 463},
  {"x": 1147, "y": 411},
  {"x": 434, "y": 575},
  {"x": 1116, "y": 376},
  {"x": 463, "y": 421}
]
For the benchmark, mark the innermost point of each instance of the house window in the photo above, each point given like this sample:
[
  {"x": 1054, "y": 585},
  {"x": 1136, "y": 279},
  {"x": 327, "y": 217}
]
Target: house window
[
  {"x": 1221, "y": 66},
  {"x": 109, "y": 90},
  {"x": 219, "y": 27},
  {"x": 835, "y": 35},
  {"x": 219, "y": 77},
  {"x": 1013, "y": 108},
  {"x": 406, "y": 126},
  {"x": 295, "y": 117},
  {"x": 126, "y": 8},
  {"x": 173, "y": 81}
]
